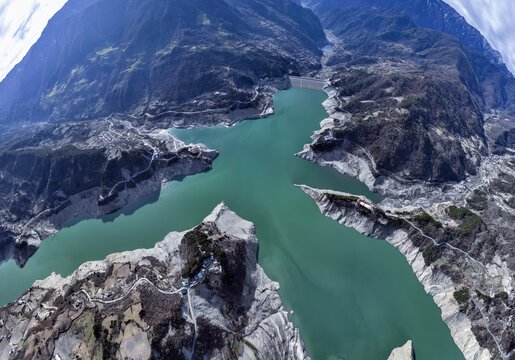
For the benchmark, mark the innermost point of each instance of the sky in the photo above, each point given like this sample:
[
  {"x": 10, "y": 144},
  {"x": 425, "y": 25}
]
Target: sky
[
  {"x": 22, "y": 21},
  {"x": 21, "y": 24},
  {"x": 496, "y": 21}
]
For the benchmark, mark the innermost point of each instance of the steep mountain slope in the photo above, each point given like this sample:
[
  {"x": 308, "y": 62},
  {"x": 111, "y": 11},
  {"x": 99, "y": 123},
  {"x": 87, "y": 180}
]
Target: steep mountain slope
[
  {"x": 433, "y": 14},
  {"x": 100, "y": 57},
  {"x": 356, "y": 24},
  {"x": 132, "y": 68},
  {"x": 427, "y": 123},
  {"x": 417, "y": 97}
]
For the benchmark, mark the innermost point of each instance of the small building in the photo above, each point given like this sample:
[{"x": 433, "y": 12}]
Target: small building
[
  {"x": 366, "y": 205},
  {"x": 1, "y": 323},
  {"x": 193, "y": 150},
  {"x": 184, "y": 291},
  {"x": 185, "y": 282}
]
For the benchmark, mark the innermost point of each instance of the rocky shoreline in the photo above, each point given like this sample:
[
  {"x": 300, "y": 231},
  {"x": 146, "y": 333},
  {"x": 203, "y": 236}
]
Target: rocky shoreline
[
  {"x": 412, "y": 196},
  {"x": 106, "y": 307},
  {"x": 133, "y": 163},
  {"x": 351, "y": 159},
  {"x": 259, "y": 106},
  {"x": 20, "y": 237},
  {"x": 436, "y": 284}
]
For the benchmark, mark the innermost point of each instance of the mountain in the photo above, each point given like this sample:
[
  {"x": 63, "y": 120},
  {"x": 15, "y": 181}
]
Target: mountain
[
  {"x": 418, "y": 98},
  {"x": 421, "y": 110},
  {"x": 82, "y": 114},
  {"x": 105, "y": 56},
  {"x": 359, "y": 27},
  {"x": 71, "y": 169},
  {"x": 432, "y": 14}
]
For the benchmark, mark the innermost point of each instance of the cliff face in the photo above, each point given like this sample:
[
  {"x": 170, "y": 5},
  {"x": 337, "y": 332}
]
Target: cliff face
[
  {"x": 100, "y": 57},
  {"x": 60, "y": 172},
  {"x": 137, "y": 303}
]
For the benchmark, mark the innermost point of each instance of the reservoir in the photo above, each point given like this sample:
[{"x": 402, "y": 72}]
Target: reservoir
[{"x": 353, "y": 297}]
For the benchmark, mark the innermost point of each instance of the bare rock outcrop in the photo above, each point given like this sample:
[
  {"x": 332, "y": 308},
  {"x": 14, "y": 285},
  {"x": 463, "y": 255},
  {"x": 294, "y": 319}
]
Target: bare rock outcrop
[
  {"x": 405, "y": 352},
  {"x": 436, "y": 284}
]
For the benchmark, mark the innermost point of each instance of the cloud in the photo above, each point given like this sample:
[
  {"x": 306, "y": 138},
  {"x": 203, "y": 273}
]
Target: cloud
[
  {"x": 25, "y": 27},
  {"x": 495, "y": 19},
  {"x": 21, "y": 24}
]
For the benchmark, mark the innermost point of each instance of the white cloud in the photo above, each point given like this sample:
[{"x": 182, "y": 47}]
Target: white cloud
[
  {"x": 495, "y": 19},
  {"x": 21, "y": 24}
]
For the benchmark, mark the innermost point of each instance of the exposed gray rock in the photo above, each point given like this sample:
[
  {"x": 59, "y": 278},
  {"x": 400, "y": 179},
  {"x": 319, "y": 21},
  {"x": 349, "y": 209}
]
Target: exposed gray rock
[
  {"x": 131, "y": 304},
  {"x": 436, "y": 284},
  {"x": 405, "y": 352}
]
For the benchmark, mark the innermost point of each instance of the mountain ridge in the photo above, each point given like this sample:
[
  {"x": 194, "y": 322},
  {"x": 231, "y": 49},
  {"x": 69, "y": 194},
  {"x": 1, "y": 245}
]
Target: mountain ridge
[
  {"x": 103, "y": 57},
  {"x": 434, "y": 14}
]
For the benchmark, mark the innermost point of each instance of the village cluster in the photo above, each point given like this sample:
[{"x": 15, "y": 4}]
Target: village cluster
[{"x": 209, "y": 265}]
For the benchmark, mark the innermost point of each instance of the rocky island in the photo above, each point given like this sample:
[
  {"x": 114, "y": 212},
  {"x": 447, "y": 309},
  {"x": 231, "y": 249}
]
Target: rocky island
[{"x": 197, "y": 294}]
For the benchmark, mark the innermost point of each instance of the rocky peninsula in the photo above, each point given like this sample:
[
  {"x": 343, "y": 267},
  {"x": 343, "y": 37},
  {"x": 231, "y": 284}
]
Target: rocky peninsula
[
  {"x": 197, "y": 294},
  {"x": 475, "y": 296},
  {"x": 57, "y": 173}
]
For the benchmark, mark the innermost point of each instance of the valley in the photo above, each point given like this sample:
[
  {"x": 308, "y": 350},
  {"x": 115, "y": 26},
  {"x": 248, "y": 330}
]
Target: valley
[{"x": 316, "y": 260}]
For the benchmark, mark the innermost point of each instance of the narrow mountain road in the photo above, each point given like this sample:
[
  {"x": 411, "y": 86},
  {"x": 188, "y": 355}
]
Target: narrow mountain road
[
  {"x": 480, "y": 267},
  {"x": 140, "y": 281},
  {"x": 192, "y": 312}
]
